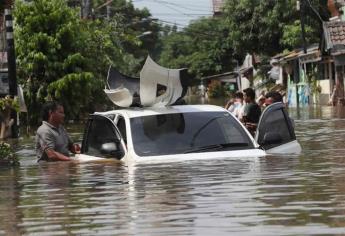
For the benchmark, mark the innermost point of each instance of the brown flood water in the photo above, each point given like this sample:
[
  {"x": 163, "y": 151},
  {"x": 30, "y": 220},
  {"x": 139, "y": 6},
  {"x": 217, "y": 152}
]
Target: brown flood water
[{"x": 274, "y": 195}]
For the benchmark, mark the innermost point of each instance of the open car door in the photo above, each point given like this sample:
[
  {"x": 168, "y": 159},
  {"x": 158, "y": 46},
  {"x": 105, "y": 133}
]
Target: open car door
[
  {"x": 275, "y": 132},
  {"x": 102, "y": 139}
]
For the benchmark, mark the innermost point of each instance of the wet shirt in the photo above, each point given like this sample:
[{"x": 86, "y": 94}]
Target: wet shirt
[
  {"x": 50, "y": 137},
  {"x": 252, "y": 112}
]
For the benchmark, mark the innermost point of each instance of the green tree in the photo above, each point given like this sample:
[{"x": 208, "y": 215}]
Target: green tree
[
  {"x": 64, "y": 57},
  {"x": 269, "y": 27},
  {"x": 213, "y": 45},
  {"x": 141, "y": 31},
  {"x": 200, "y": 47},
  {"x": 50, "y": 65}
]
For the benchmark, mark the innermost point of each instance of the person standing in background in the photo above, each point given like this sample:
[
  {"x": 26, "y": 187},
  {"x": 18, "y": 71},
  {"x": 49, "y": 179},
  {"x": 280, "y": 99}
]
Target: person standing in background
[
  {"x": 252, "y": 111},
  {"x": 235, "y": 105}
]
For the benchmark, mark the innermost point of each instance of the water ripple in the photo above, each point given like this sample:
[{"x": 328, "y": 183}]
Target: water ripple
[{"x": 274, "y": 195}]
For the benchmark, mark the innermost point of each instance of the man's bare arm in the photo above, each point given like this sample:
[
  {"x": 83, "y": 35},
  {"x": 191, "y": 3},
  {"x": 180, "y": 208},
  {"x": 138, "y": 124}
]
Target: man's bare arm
[{"x": 56, "y": 156}]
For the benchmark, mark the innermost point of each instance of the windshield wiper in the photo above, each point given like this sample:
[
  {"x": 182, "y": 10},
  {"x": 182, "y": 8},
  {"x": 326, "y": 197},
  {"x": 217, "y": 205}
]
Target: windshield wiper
[{"x": 216, "y": 147}]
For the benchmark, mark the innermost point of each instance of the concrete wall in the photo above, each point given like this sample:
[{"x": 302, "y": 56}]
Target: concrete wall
[{"x": 325, "y": 91}]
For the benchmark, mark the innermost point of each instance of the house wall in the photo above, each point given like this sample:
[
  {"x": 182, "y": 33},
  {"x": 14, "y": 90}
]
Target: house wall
[
  {"x": 325, "y": 91},
  {"x": 301, "y": 89},
  {"x": 326, "y": 84}
]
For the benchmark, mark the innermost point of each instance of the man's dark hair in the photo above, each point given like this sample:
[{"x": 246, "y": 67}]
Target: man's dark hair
[
  {"x": 238, "y": 94},
  {"x": 250, "y": 93},
  {"x": 49, "y": 107},
  {"x": 276, "y": 96}
]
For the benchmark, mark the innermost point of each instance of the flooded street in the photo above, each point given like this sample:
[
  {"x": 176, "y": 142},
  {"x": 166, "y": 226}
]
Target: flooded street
[{"x": 273, "y": 195}]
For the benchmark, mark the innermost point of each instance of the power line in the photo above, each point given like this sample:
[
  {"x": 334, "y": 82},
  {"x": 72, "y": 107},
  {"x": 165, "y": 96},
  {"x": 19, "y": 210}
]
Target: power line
[
  {"x": 104, "y": 4},
  {"x": 182, "y": 13},
  {"x": 180, "y": 6},
  {"x": 184, "y": 5},
  {"x": 172, "y": 23},
  {"x": 183, "y": 27},
  {"x": 313, "y": 9},
  {"x": 172, "y": 14},
  {"x": 176, "y": 10},
  {"x": 175, "y": 7}
]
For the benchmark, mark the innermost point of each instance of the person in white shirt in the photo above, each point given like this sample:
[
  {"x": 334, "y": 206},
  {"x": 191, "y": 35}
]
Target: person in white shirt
[{"x": 235, "y": 105}]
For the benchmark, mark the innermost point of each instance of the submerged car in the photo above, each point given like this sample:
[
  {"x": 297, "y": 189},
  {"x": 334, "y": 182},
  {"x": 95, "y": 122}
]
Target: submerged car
[{"x": 185, "y": 132}]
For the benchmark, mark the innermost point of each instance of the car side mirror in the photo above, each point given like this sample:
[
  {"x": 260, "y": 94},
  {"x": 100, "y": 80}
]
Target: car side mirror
[
  {"x": 272, "y": 138},
  {"x": 111, "y": 150}
]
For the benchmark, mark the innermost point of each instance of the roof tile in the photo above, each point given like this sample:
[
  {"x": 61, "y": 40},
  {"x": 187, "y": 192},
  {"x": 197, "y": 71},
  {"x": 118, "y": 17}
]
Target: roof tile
[{"x": 336, "y": 31}]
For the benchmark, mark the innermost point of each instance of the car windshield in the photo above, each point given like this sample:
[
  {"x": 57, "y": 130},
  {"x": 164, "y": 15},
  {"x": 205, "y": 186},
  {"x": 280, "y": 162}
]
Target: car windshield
[{"x": 178, "y": 133}]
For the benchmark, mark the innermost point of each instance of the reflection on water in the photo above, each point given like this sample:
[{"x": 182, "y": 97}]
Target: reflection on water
[{"x": 274, "y": 195}]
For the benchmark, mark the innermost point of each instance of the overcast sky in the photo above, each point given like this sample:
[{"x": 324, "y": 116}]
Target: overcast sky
[{"x": 176, "y": 11}]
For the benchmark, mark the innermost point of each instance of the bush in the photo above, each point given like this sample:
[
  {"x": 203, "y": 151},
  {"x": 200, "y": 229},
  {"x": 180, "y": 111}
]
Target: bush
[
  {"x": 8, "y": 103},
  {"x": 7, "y": 155}
]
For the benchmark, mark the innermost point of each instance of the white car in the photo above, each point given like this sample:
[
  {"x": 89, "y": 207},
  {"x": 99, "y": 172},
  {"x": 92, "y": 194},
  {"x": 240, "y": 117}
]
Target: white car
[{"x": 185, "y": 132}]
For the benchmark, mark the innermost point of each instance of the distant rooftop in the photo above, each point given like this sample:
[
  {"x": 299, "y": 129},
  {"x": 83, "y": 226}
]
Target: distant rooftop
[
  {"x": 218, "y": 6},
  {"x": 335, "y": 36}
]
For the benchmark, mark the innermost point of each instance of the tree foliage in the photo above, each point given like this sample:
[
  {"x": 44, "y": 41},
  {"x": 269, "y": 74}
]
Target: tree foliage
[
  {"x": 213, "y": 45},
  {"x": 200, "y": 47},
  {"x": 269, "y": 27},
  {"x": 140, "y": 30},
  {"x": 48, "y": 43},
  {"x": 61, "y": 56}
]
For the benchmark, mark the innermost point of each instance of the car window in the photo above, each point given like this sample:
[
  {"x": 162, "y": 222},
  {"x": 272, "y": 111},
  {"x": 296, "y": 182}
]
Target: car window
[
  {"x": 100, "y": 131},
  {"x": 276, "y": 122},
  {"x": 178, "y": 133}
]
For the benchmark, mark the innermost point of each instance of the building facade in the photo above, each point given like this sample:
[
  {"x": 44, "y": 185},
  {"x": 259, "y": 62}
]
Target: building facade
[{"x": 311, "y": 76}]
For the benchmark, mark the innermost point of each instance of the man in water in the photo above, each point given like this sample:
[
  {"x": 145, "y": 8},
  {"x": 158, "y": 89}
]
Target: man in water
[{"x": 52, "y": 141}]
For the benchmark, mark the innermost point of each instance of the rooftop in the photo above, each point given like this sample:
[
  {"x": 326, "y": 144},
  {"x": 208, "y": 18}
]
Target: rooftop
[
  {"x": 334, "y": 35},
  {"x": 217, "y": 6}
]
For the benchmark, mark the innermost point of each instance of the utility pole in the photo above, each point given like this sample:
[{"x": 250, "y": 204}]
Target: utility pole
[
  {"x": 85, "y": 9},
  {"x": 108, "y": 11},
  {"x": 301, "y": 5},
  {"x": 11, "y": 62},
  {"x": 11, "y": 58}
]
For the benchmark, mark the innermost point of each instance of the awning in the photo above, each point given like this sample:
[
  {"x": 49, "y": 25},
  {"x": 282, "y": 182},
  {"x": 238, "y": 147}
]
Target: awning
[
  {"x": 291, "y": 56},
  {"x": 310, "y": 57}
]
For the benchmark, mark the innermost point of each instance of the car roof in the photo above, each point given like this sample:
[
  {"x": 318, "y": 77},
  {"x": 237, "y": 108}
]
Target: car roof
[{"x": 148, "y": 111}]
